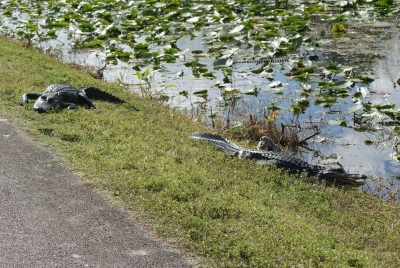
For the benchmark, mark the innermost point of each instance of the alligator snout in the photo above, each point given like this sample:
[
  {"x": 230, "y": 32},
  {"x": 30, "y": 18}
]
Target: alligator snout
[{"x": 39, "y": 110}]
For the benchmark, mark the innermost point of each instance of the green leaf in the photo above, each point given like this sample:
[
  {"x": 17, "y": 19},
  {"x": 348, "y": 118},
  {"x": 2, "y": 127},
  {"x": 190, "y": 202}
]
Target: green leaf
[
  {"x": 141, "y": 46},
  {"x": 201, "y": 92},
  {"x": 309, "y": 69},
  {"x": 209, "y": 74},
  {"x": 147, "y": 72},
  {"x": 94, "y": 43},
  {"x": 149, "y": 12},
  {"x": 183, "y": 93},
  {"x": 139, "y": 75},
  {"x": 384, "y": 106},
  {"x": 171, "y": 50},
  {"x": 365, "y": 79},
  {"x": 124, "y": 55},
  {"x": 368, "y": 142}
]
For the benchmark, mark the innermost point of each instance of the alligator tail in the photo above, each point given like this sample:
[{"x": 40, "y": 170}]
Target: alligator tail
[
  {"x": 97, "y": 94},
  {"x": 223, "y": 144}
]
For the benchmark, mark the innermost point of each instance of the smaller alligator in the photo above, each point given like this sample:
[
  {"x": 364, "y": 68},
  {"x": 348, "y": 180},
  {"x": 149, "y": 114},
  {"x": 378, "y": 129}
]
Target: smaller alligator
[
  {"x": 67, "y": 97},
  {"x": 268, "y": 60},
  {"x": 336, "y": 176}
]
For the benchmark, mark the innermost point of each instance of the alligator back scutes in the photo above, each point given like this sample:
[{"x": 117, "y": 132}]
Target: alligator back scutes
[
  {"x": 281, "y": 160},
  {"x": 265, "y": 60},
  {"x": 53, "y": 88},
  {"x": 97, "y": 94}
]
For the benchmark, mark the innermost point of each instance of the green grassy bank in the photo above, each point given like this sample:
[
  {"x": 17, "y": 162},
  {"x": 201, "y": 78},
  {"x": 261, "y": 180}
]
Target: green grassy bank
[{"x": 228, "y": 212}]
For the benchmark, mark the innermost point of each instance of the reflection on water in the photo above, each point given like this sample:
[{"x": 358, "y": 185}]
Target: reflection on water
[{"x": 387, "y": 71}]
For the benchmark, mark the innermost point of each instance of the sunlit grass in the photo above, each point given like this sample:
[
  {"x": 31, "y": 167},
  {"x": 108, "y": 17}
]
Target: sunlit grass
[{"x": 228, "y": 212}]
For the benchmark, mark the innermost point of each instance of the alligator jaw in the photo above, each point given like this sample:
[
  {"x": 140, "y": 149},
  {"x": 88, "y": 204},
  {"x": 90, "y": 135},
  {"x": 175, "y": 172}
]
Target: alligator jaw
[
  {"x": 43, "y": 105},
  {"x": 344, "y": 179},
  {"x": 40, "y": 110}
]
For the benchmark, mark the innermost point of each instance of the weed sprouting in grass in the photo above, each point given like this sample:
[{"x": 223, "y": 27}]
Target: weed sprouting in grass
[
  {"x": 70, "y": 137},
  {"x": 46, "y": 130},
  {"x": 145, "y": 77}
]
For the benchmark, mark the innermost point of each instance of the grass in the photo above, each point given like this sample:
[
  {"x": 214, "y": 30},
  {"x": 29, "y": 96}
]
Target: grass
[{"x": 223, "y": 211}]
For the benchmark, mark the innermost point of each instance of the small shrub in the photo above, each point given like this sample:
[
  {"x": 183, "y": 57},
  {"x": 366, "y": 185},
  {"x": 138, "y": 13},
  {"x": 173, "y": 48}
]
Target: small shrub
[
  {"x": 46, "y": 131},
  {"x": 70, "y": 137}
]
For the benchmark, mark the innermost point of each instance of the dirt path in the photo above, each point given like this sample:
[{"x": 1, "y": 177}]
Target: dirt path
[{"x": 48, "y": 219}]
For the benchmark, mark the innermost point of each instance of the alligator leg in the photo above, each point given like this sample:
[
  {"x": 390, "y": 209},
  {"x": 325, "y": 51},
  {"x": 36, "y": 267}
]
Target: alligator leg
[
  {"x": 69, "y": 105},
  {"x": 86, "y": 100},
  {"x": 29, "y": 96}
]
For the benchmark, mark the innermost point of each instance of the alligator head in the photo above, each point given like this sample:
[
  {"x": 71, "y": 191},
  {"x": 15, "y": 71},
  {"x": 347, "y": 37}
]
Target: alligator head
[
  {"x": 45, "y": 103},
  {"x": 339, "y": 176}
]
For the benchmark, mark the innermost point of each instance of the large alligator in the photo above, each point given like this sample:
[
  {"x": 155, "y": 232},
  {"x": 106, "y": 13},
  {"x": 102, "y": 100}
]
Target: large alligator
[
  {"x": 67, "y": 97},
  {"x": 336, "y": 176}
]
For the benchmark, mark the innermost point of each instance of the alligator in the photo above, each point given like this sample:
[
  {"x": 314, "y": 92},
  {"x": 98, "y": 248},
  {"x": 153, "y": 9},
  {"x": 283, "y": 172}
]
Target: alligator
[
  {"x": 67, "y": 97},
  {"x": 268, "y": 60},
  {"x": 331, "y": 175}
]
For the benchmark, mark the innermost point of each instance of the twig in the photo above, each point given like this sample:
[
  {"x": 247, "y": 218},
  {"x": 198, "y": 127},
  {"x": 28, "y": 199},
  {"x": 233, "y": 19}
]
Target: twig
[
  {"x": 282, "y": 133},
  {"x": 312, "y": 135}
]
